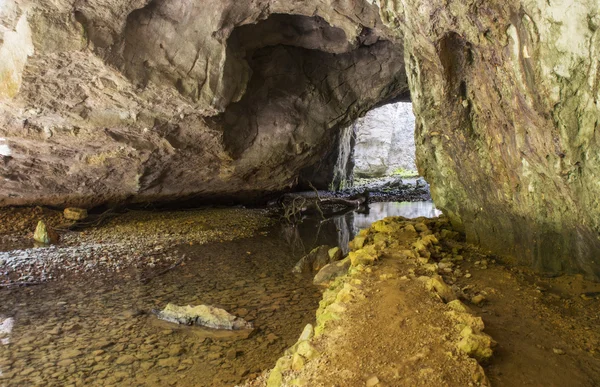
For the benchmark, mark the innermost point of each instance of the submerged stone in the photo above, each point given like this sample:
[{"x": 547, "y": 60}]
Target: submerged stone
[
  {"x": 331, "y": 272},
  {"x": 314, "y": 261},
  {"x": 203, "y": 315}
]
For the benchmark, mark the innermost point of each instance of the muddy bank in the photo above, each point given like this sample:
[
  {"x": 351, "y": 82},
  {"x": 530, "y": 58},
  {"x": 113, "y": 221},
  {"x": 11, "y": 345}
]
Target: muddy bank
[{"x": 417, "y": 310}]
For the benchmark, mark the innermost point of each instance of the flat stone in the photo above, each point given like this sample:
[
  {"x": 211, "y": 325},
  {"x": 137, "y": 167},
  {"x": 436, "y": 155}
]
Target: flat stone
[
  {"x": 332, "y": 271},
  {"x": 125, "y": 360},
  {"x": 146, "y": 365},
  {"x": 203, "y": 315},
  {"x": 175, "y": 350},
  {"x": 65, "y": 363},
  {"x": 372, "y": 381},
  {"x": 168, "y": 362},
  {"x": 70, "y": 354}
]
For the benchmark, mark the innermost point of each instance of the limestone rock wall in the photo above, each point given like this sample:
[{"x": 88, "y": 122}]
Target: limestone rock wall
[
  {"x": 506, "y": 95},
  {"x": 385, "y": 141},
  {"x": 113, "y": 100}
]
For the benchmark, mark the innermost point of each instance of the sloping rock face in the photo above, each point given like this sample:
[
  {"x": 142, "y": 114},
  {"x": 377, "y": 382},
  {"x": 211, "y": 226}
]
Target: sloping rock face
[
  {"x": 111, "y": 100},
  {"x": 385, "y": 141},
  {"x": 506, "y": 95}
]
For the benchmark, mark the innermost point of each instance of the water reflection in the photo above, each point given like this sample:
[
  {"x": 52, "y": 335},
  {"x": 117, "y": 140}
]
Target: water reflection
[
  {"x": 350, "y": 224},
  {"x": 340, "y": 230},
  {"x": 379, "y": 211}
]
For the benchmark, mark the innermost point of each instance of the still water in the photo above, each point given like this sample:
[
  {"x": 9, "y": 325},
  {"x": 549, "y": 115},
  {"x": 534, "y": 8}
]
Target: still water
[{"x": 98, "y": 332}]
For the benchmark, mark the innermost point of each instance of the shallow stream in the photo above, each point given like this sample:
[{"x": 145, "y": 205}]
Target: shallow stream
[{"x": 99, "y": 332}]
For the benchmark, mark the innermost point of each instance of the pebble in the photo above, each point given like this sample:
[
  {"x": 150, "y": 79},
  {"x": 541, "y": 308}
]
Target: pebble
[
  {"x": 213, "y": 356},
  {"x": 146, "y": 365},
  {"x": 65, "y": 363},
  {"x": 175, "y": 350},
  {"x": 372, "y": 381},
  {"x": 271, "y": 338},
  {"x": 478, "y": 299},
  {"x": 558, "y": 351},
  {"x": 168, "y": 362},
  {"x": 231, "y": 354}
]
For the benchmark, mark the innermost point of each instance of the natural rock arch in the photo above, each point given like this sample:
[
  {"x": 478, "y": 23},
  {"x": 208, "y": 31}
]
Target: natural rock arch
[{"x": 102, "y": 106}]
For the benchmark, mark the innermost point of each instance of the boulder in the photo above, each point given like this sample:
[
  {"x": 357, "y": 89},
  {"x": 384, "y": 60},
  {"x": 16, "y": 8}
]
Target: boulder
[
  {"x": 203, "y": 315},
  {"x": 477, "y": 345},
  {"x": 72, "y": 213},
  {"x": 317, "y": 259},
  {"x": 44, "y": 234},
  {"x": 332, "y": 271}
]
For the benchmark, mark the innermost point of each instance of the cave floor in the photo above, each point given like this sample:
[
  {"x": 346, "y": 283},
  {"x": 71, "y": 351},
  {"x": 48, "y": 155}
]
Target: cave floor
[
  {"x": 396, "y": 333},
  {"x": 88, "y": 326},
  {"x": 89, "y": 321}
]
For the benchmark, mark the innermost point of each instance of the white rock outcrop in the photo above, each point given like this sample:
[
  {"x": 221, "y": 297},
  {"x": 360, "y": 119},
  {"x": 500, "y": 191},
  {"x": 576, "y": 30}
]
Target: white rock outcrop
[{"x": 385, "y": 141}]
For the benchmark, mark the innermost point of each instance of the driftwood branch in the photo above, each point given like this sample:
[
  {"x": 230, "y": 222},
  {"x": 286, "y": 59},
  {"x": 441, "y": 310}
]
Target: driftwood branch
[{"x": 295, "y": 205}]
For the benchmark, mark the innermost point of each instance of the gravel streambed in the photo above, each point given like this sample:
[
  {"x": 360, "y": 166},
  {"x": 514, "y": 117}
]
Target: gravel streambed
[{"x": 133, "y": 240}]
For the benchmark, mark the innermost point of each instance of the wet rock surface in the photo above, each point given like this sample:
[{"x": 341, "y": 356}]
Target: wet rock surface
[
  {"x": 202, "y": 315},
  {"x": 502, "y": 136},
  {"x": 317, "y": 259}
]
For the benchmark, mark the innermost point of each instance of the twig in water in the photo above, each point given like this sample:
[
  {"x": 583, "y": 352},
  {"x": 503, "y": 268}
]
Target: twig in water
[{"x": 173, "y": 266}]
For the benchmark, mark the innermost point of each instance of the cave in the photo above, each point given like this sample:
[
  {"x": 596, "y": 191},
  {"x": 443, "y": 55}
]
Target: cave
[{"x": 253, "y": 193}]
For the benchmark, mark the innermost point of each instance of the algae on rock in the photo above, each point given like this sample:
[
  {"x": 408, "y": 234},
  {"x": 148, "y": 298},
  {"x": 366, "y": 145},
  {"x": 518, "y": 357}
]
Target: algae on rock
[{"x": 203, "y": 315}]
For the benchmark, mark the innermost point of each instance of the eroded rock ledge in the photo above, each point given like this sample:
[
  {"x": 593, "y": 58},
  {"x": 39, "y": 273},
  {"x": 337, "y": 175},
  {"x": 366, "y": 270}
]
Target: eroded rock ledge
[{"x": 143, "y": 101}]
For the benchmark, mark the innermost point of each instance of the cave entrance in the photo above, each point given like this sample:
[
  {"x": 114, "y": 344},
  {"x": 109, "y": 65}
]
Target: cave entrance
[
  {"x": 327, "y": 106},
  {"x": 377, "y": 146}
]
